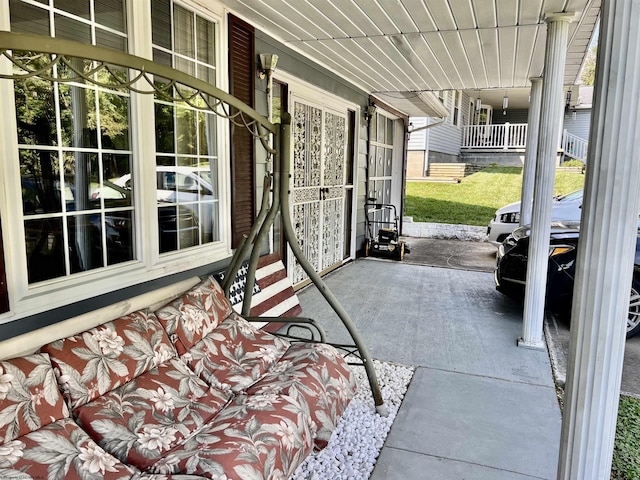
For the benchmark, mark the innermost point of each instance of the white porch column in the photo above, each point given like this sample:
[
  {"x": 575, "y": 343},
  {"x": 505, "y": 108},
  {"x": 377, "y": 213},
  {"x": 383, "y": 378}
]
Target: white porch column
[
  {"x": 551, "y": 111},
  {"x": 531, "y": 152},
  {"x": 606, "y": 250}
]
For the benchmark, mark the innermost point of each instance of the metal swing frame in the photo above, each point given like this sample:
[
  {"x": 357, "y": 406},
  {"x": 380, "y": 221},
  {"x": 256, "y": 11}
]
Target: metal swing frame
[{"x": 121, "y": 71}]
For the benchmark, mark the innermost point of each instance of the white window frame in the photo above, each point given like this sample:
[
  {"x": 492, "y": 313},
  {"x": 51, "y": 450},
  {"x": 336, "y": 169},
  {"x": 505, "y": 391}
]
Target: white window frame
[
  {"x": 456, "y": 106},
  {"x": 28, "y": 299}
]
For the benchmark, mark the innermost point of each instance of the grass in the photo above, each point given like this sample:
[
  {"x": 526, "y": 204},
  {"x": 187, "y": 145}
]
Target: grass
[
  {"x": 475, "y": 200},
  {"x": 626, "y": 451}
]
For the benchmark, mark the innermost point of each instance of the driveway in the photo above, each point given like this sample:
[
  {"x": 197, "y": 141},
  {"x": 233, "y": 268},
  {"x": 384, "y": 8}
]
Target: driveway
[
  {"x": 481, "y": 256},
  {"x": 557, "y": 330}
]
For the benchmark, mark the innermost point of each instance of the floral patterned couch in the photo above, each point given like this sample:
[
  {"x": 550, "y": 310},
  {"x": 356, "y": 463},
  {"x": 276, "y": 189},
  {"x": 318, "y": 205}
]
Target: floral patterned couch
[{"x": 190, "y": 390}]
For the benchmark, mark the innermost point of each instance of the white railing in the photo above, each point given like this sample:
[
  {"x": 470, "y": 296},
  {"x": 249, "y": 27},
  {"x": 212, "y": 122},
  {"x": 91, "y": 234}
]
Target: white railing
[
  {"x": 503, "y": 136},
  {"x": 574, "y": 147}
]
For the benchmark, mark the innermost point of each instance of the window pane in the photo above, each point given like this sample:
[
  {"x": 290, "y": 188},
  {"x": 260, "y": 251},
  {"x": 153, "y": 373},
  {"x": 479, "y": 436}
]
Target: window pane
[
  {"x": 110, "y": 13},
  {"x": 161, "y": 23},
  {"x": 164, "y": 128},
  {"x": 114, "y": 121},
  {"x": 85, "y": 242},
  {"x": 82, "y": 177},
  {"x": 162, "y": 57},
  {"x": 44, "y": 242},
  {"x": 186, "y": 130},
  {"x": 206, "y": 133},
  {"x": 119, "y": 236},
  {"x": 70, "y": 29},
  {"x": 186, "y": 173},
  {"x": 28, "y": 19},
  {"x": 78, "y": 116},
  {"x": 35, "y": 112},
  {"x": 177, "y": 231},
  {"x": 205, "y": 41},
  {"x": 76, "y": 7},
  {"x": 183, "y": 35},
  {"x": 110, "y": 40},
  {"x": 40, "y": 172}
]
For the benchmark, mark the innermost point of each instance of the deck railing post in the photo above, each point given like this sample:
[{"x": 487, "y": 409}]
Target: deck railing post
[{"x": 505, "y": 143}]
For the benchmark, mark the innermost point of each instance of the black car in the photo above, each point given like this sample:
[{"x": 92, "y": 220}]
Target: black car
[{"x": 511, "y": 270}]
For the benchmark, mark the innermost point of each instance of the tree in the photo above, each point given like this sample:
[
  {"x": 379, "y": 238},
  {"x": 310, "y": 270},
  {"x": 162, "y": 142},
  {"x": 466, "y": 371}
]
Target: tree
[{"x": 589, "y": 69}]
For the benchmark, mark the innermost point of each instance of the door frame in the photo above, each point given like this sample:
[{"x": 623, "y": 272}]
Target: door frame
[{"x": 305, "y": 90}]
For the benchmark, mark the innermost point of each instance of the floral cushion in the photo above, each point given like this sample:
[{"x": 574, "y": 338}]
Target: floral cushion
[
  {"x": 59, "y": 450},
  {"x": 29, "y": 396},
  {"x": 97, "y": 361},
  {"x": 140, "y": 421},
  {"x": 195, "y": 314},
  {"x": 255, "y": 437},
  {"x": 320, "y": 377},
  {"x": 235, "y": 355}
]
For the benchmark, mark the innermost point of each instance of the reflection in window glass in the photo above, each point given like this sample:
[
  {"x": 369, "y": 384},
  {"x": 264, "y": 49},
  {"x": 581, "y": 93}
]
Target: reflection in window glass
[
  {"x": 186, "y": 162},
  {"x": 74, "y": 152}
]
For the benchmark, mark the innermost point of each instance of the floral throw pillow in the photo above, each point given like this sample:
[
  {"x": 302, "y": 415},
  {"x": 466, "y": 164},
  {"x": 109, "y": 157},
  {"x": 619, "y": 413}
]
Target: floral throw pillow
[
  {"x": 195, "y": 314},
  {"x": 97, "y": 361},
  {"x": 29, "y": 396}
]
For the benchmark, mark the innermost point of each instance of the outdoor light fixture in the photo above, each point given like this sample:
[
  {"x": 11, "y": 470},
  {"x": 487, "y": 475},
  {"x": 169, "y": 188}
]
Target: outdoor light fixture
[
  {"x": 478, "y": 103},
  {"x": 505, "y": 103},
  {"x": 268, "y": 64}
]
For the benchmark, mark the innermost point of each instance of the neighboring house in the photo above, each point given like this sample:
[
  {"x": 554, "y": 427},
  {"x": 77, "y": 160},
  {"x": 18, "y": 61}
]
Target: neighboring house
[
  {"x": 491, "y": 134},
  {"x": 93, "y": 161}
]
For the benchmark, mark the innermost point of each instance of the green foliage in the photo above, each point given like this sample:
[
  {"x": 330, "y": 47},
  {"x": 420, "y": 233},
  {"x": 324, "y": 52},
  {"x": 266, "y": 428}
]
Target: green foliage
[
  {"x": 626, "y": 453},
  {"x": 474, "y": 200},
  {"x": 589, "y": 69}
]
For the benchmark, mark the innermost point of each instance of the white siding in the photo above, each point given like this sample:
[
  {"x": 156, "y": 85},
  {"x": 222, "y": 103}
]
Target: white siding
[
  {"x": 418, "y": 140},
  {"x": 445, "y": 138},
  {"x": 580, "y": 125}
]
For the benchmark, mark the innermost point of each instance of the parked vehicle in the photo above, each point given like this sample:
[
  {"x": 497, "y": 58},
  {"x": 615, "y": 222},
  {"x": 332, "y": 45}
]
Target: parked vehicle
[
  {"x": 190, "y": 187},
  {"x": 511, "y": 270},
  {"x": 564, "y": 208}
]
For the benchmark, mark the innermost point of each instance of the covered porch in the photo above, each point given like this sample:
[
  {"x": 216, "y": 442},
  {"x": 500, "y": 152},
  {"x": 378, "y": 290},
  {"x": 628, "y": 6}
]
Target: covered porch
[
  {"x": 476, "y": 407},
  {"x": 400, "y": 51}
]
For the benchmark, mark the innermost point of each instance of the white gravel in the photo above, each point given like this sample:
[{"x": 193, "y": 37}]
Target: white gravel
[{"x": 355, "y": 444}]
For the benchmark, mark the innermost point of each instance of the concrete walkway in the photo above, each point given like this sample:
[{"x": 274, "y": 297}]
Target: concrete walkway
[{"x": 478, "y": 406}]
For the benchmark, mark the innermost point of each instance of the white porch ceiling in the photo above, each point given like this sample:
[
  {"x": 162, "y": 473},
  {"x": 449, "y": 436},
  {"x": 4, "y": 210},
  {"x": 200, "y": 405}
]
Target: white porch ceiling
[{"x": 393, "y": 48}]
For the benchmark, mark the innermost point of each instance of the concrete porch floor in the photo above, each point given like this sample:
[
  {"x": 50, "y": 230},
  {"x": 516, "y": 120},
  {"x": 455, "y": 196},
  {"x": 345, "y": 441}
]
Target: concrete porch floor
[{"x": 478, "y": 407}]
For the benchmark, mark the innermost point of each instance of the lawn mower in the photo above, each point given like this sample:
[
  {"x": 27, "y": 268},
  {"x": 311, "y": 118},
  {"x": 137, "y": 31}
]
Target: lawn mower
[{"x": 383, "y": 237}]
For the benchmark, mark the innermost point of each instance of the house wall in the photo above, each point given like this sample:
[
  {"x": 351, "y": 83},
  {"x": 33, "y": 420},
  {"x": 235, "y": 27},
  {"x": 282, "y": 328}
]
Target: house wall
[
  {"x": 444, "y": 140},
  {"x": 297, "y": 65},
  {"x": 579, "y": 126}
]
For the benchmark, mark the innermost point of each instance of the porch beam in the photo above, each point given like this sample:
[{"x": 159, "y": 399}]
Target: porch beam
[
  {"x": 606, "y": 251},
  {"x": 551, "y": 112},
  {"x": 531, "y": 152}
]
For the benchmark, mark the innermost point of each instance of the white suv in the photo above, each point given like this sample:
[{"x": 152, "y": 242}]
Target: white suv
[{"x": 564, "y": 208}]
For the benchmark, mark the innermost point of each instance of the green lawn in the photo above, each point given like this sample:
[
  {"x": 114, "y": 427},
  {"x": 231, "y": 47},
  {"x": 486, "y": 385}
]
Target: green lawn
[
  {"x": 474, "y": 200},
  {"x": 626, "y": 453}
]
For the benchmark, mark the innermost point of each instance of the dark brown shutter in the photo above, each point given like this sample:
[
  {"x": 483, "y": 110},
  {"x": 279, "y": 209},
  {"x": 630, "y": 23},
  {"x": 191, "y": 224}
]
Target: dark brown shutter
[
  {"x": 4, "y": 292},
  {"x": 242, "y": 86}
]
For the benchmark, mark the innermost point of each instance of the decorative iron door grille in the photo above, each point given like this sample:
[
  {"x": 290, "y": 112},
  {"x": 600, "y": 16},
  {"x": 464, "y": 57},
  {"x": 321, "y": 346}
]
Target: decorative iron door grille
[{"x": 319, "y": 153}]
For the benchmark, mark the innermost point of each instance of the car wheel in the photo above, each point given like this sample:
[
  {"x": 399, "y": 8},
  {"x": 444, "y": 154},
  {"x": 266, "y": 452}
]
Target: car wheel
[{"x": 633, "y": 316}]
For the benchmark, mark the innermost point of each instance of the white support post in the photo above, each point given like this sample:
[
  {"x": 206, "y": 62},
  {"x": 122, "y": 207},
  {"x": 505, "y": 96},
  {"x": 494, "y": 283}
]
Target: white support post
[
  {"x": 551, "y": 112},
  {"x": 606, "y": 250},
  {"x": 531, "y": 152}
]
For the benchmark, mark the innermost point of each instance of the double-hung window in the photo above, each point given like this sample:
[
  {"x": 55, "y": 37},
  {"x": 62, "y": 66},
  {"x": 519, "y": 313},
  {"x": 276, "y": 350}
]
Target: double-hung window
[
  {"x": 186, "y": 157},
  {"x": 73, "y": 145},
  {"x": 113, "y": 190}
]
